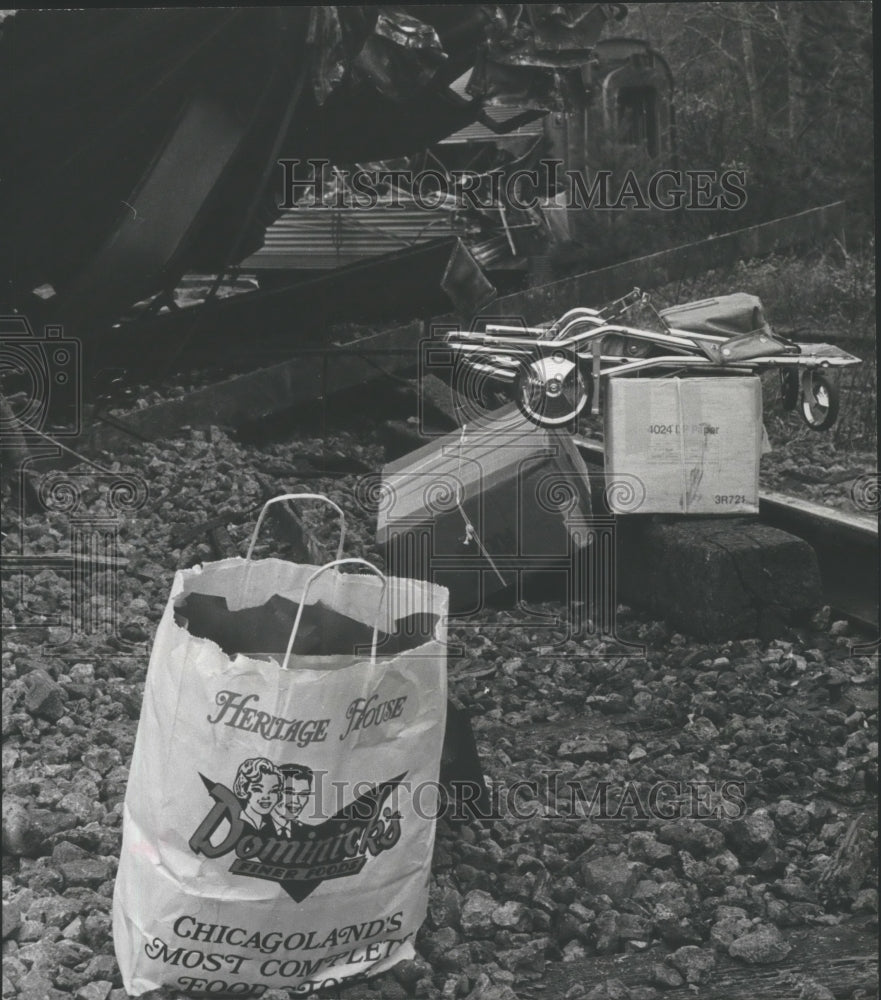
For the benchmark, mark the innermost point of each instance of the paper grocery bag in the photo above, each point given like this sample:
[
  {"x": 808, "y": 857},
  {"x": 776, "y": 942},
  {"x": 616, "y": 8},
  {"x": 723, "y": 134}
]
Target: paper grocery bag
[{"x": 278, "y": 825}]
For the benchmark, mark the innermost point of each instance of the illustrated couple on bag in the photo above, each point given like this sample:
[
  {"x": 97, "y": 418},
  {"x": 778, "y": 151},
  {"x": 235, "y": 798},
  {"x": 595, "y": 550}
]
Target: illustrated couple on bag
[{"x": 273, "y": 795}]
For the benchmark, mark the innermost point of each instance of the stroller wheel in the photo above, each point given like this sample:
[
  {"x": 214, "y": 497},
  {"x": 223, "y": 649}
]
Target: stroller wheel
[
  {"x": 551, "y": 391},
  {"x": 819, "y": 401},
  {"x": 788, "y": 389}
]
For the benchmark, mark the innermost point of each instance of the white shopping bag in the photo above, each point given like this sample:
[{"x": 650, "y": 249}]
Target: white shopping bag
[{"x": 279, "y": 817}]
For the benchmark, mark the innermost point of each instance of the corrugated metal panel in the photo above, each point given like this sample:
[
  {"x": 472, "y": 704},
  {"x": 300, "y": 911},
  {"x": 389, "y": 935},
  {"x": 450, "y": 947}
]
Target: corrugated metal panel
[
  {"x": 322, "y": 238},
  {"x": 480, "y": 133}
]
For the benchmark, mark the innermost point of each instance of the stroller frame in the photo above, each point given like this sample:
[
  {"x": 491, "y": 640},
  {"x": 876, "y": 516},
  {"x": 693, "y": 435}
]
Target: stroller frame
[{"x": 557, "y": 369}]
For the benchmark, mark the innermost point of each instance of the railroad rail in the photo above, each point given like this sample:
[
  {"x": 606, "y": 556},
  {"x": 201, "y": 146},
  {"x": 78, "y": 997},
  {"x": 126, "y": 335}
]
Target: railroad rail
[{"x": 846, "y": 545}]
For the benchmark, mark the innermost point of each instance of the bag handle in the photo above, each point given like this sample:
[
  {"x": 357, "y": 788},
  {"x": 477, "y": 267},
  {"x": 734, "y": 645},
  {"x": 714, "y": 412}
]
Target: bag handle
[
  {"x": 298, "y": 496},
  {"x": 317, "y": 573}
]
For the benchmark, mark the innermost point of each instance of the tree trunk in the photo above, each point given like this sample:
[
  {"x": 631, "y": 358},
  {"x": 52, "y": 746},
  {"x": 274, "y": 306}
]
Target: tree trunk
[
  {"x": 749, "y": 68},
  {"x": 793, "y": 19}
]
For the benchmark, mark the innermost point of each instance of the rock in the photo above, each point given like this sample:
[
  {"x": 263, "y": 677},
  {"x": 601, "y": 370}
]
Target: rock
[
  {"x": 72, "y": 953},
  {"x": 761, "y": 947},
  {"x": 693, "y": 836},
  {"x": 531, "y": 956},
  {"x": 102, "y": 967},
  {"x": 644, "y": 846},
  {"x": 455, "y": 959},
  {"x": 102, "y": 759},
  {"x": 65, "y": 850},
  {"x": 611, "y": 989},
  {"x": 31, "y": 930},
  {"x": 696, "y": 872},
  {"x": 20, "y": 840},
  {"x": 612, "y": 876},
  {"x": 486, "y": 989},
  {"x": 477, "y": 913},
  {"x": 86, "y": 808},
  {"x": 11, "y": 919},
  {"x": 410, "y": 971},
  {"x": 608, "y": 704},
  {"x": 42, "y": 826},
  {"x": 792, "y": 817},
  {"x": 565, "y": 890},
  {"x": 752, "y": 834},
  {"x": 702, "y": 729},
  {"x": 36, "y": 985},
  {"x": 792, "y": 887},
  {"x": 633, "y": 927},
  {"x": 74, "y": 929},
  {"x": 696, "y": 964},
  {"x": 573, "y": 952},
  {"x": 468, "y": 877},
  {"x": 44, "y": 699},
  {"x": 608, "y": 936},
  {"x": 454, "y": 986},
  {"x": 731, "y": 922},
  {"x": 85, "y": 672},
  {"x": 865, "y": 901},
  {"x": 772, "y": 861},
  {"x": 86, "y": 871},
  {"x": 576, "y": 923},
  {"x": 390, "y": 988},
  {"x": 584, "y": 748},
  {"x": 98, "y": 990},
  {"x": 511, "y": 915},
  {"x": 666, "y": 976},
  {"x": 26, "y": 831},
  {"x": 726, "y": 862},
  {"x": 437, "y": 943},
  {"x": 812, "y": 990}
]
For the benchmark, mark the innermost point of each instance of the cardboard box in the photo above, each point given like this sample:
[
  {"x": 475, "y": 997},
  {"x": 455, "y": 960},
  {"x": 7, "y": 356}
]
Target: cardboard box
[
  {"x": 475, "y": 512},
  {"x": 683, "y": 445}
]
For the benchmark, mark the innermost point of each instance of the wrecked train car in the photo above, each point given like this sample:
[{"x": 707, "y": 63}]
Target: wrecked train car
[
  {"x": 141, "y": 144},
  {"x": 547, "y": 88}
]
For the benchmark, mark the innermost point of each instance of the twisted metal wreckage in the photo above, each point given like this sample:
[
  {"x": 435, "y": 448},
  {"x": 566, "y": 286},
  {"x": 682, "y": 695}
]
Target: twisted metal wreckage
[{"x": 144, "y": 145}]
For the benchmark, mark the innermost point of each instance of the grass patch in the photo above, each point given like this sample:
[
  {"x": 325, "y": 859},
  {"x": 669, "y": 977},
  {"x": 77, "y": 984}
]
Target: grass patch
[{"x": 828, "y": 296}]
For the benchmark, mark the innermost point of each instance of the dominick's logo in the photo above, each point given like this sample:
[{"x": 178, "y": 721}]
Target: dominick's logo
[{"x": 260, "y": 814}]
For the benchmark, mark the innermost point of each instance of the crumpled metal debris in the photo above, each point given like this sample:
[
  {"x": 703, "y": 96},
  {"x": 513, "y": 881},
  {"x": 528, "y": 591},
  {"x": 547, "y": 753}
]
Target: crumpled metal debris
[{"x": 397, "y": 55}]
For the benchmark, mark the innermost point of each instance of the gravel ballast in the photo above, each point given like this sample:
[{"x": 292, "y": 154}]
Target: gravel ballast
[{"x": 689, "y": 807}]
